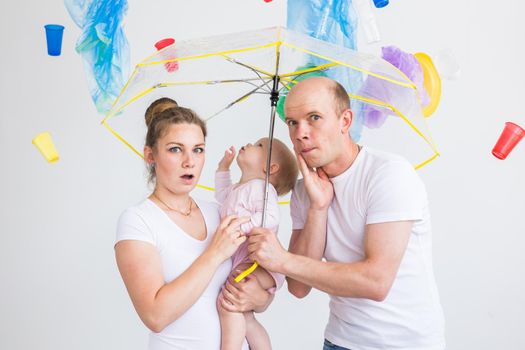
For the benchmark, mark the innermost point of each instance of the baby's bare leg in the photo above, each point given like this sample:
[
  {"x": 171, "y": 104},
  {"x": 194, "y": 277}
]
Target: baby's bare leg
[
  {"x": 233, "y": 328},
  {"x": 256, "y": 335}
]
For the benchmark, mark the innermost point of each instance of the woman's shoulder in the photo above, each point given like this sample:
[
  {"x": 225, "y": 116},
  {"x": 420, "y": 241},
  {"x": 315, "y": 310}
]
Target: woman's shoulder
[
  {"x": 141, "y": 209},
  {"x": 135, "y": 223}
]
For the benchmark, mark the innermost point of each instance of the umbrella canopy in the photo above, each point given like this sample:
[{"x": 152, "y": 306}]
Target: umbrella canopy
[
  {"x": 228, "y": 79},
  {"x": 234, "y": 75}
]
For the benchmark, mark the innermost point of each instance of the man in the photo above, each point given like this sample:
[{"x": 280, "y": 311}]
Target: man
[{"x": 366, "y": 213}]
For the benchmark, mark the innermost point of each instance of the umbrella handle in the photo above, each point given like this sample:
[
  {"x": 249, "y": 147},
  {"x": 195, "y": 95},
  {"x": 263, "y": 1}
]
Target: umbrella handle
[{"x": 246, "y": 272}]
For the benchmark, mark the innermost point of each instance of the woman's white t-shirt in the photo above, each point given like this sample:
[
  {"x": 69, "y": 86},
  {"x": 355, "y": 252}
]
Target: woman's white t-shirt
[{"x": 199, "y": 327}]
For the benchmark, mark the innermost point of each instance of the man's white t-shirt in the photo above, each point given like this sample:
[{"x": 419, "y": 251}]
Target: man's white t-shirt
[
  {"x": 380, "y": 187},
  {"x": 199, "y": 327}
]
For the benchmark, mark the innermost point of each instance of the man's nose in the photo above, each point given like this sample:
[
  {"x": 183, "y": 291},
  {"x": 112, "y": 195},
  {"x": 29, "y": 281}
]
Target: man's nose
[{"x": 302, "y": 131}]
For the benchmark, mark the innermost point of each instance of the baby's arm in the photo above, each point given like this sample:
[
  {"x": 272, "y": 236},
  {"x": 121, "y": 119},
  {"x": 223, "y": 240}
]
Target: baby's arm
[{"x": 223, "y": 180}]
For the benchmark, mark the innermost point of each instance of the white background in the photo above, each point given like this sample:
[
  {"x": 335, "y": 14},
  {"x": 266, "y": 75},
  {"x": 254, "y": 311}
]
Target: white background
[{"x": 59, "y": 285}]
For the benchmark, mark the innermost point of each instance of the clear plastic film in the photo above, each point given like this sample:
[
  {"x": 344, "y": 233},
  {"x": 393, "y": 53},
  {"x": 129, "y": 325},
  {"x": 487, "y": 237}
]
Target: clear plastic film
[{"x": 103, "y": 47}]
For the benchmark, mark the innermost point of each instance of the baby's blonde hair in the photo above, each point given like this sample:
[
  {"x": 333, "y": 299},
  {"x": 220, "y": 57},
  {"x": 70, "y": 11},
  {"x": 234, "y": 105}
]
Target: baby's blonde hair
[{"x": 285, "y": 179}]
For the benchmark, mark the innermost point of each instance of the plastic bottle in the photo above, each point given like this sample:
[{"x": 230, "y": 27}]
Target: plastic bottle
[{"x": 367, "y": 19}]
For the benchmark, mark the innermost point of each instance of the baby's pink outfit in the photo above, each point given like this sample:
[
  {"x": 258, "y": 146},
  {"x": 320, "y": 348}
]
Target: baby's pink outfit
[{"x": 247, "y": 199}]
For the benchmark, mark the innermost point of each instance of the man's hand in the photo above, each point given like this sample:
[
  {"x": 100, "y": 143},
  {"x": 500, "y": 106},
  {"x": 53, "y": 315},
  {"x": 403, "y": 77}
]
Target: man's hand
[
  {"x": 247, "y": 295},
  {"x": 265, "y": 248},
  {"x": 318, "y": 186},
  {"x": 227, "y": 159}
]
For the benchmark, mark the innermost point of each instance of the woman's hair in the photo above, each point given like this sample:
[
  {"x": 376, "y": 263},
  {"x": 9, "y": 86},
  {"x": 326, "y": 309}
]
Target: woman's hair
[
  {"x": 157, "y": 106},
  {"x": 158, "y": 123},
  {"x": 288, "y": 170}
]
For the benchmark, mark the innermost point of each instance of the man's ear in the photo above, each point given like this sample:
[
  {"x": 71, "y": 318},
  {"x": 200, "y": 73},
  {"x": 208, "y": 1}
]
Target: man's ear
[{"x": 346, "y": 120}]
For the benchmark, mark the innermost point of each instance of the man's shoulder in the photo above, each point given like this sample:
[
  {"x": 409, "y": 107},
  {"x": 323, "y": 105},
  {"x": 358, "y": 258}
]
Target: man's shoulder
[
  {"x": 383, "y": 157},
  {"x": 380, "y": 162}
]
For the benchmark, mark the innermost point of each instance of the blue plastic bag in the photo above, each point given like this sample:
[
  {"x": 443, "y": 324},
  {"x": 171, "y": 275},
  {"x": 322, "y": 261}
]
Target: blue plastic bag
[
  {"x": 334, "y": 21},
  {"x": 103, "y": 47}
]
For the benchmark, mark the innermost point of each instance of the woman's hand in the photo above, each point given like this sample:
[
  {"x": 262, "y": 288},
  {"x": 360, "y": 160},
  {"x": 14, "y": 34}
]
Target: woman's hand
[
  {"x": 318, "y": 186},
  {"x": 227, "y": 159},
  {"x": 228, "y": 237},
  {"x": 247, "y": 295}
]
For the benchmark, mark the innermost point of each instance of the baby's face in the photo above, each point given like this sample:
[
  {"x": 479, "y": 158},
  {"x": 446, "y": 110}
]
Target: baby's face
[{"x": 252, "y": 157}]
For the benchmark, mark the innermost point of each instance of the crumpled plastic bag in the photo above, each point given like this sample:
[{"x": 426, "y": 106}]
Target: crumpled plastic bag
[
  {"x": 334, "y": 21},
  {"x": 409, "y": 65},
  {"x": 103, "y": 47}
]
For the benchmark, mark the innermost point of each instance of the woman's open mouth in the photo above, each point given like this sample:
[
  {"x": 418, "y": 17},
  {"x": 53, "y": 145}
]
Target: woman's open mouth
[{"x": 187, "y": 178}]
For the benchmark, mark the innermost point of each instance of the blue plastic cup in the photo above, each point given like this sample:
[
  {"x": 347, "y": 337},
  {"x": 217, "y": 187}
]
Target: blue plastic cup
[{"x": 54, "y": 34}]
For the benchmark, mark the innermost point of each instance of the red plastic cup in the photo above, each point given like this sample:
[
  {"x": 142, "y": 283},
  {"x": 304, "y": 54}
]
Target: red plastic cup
[
  {"x": 509, "y": 138},
  {"x": 159, "y": 45}
]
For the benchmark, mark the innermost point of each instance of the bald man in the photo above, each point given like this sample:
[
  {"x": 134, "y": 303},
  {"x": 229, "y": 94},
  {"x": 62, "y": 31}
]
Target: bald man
[{"x": 361, "y": 231}]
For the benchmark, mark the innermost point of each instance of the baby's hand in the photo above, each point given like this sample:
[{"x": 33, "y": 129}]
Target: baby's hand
[{"x": 226, "y": 161}]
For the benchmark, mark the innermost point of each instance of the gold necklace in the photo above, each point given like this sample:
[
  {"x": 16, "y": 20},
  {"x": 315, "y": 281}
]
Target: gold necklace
[{"x": 175, "y": 210}]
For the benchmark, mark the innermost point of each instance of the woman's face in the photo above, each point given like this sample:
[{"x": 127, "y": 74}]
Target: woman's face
[{"x": 179, "y": 158}]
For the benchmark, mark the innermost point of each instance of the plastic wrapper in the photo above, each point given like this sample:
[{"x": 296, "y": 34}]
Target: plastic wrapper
[
  {"x": 375, "y": 117},
  {"x": 103, "y": 47},
  {"x": 333, "y": 21}
]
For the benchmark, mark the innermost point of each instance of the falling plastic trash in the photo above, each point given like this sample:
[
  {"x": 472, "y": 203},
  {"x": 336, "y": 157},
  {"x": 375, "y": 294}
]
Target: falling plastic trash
[
  {"x": 380, "y": 3},
  {"x": 367, "y": 20},
  {"x": 432, "y": 82},
  {"x": 375, "y": 116},
  {"x": 162, "y": 44},
  {"x": 45, "y": 145},
  {"x": 511, "y": 135},
  {"x": 103, "y": 47},
  {"x": 54, "y": 34},
  {"x": 447, "y": 65},
  {"x": 333, "y": 21}
]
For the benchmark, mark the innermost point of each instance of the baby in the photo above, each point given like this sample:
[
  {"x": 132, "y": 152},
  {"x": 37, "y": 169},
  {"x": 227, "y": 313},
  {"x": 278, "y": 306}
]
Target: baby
[{"x": 246, "y": 198}]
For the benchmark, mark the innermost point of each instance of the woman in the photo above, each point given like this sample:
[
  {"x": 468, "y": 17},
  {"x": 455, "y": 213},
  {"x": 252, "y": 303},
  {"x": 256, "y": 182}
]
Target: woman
[{"x": 171, "y": 250}]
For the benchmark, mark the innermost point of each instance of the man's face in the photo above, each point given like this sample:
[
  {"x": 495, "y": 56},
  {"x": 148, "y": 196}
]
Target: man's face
[{"x": 313, "y": 124}]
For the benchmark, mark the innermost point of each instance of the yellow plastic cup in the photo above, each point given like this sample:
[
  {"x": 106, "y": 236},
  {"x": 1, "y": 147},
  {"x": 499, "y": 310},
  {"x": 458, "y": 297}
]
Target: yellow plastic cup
[{"x": 45, "y": 145}]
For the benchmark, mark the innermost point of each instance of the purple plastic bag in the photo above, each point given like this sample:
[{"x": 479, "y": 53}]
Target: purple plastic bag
[{"x": 374, "y": 117}]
